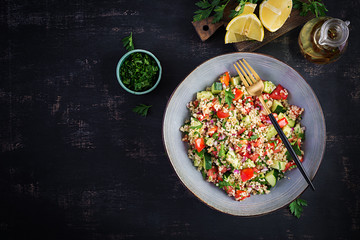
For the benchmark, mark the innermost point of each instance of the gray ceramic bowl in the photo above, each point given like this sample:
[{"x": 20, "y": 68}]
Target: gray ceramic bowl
[{"x": 301, "y": 94}]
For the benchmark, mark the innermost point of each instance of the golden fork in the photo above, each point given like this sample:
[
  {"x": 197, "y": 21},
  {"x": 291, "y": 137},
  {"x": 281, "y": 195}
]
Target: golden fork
[{"x": 255, "y": 86}]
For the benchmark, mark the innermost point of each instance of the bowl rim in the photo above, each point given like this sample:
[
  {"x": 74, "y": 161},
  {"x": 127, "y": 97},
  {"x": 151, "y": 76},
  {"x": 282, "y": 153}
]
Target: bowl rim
[
  {"x": 123, "y": 58},
  {"x": 201, "y": 200}
]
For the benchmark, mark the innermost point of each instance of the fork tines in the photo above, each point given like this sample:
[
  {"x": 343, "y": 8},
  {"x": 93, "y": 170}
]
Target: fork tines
[{"x": 247, "y": 77}]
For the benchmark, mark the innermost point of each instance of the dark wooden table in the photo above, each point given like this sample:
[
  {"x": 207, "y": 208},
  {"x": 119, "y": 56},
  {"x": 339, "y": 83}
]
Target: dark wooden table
[{"x": 77, "y": 163}]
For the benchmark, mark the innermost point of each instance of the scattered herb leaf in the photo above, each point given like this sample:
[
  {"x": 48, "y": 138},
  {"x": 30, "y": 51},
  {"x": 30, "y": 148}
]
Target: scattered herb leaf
[
  {"x": 219, "y": 12},
  {"x": 128, "y": 42},
  {"x": 229, "y": 96},
  {"x": 296, "y": 207},
  {"x": 315, "y": 6},
  {"x": 207, "y": 160},
  {"x": 253, "y": 137},
  {"x": 142, "y": 109}
]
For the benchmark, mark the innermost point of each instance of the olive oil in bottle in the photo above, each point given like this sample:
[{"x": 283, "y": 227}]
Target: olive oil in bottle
[{"x": 323, "y": 40}]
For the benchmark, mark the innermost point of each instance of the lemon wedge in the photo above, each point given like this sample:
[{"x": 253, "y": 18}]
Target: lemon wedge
[
  {"x": 231, "y": 37},
  {"x": 247, "y": 25},
  {"x": 273, "y": 13},
  {"x": 248, "y": 8}
]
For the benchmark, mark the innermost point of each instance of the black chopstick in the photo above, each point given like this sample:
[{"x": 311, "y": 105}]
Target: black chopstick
[{"x": 290, "y": 150}]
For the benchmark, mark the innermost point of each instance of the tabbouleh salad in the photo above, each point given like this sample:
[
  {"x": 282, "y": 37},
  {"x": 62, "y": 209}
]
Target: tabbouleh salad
[{"x": 232, "y": 141}]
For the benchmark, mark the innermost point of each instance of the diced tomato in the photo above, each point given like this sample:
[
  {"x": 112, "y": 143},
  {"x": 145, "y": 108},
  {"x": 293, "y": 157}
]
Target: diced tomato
[
  {"x": 241, "y": 195},
  {"x": 222, "y": 169},
  {"x": 225, "y": 79},
  {"x": 241, "y": 131},
  {"x": 212, "y": 130},
  {"x": 265, "y": 96},
  {"x": 199, "y": 144},
  {"x": 275, "y": 116},
  {"x": 219, "y": 178},
  {"x": 215, "y": 153},
  {"x": 249, "y": 100},
  {"x": 301, "y": 159},
  {"x": 288, "y": 165},
  {"x": 246, "y": 174},
  {"x": 212, "y": 174},
  {"x": 279, "y": 93},
  {"x": 283, "y": 122},
  {"x": 222, "y": 114},
  {"x": 229, "y": 190},
  {"x": 238, "y": 94},
  {"x": 244, "y": 141},
  {"x": 250, "y": 133},
  {"x": 270, "y": 146},
  {"x": 254, "y": 156},
  {"x": 196, "y": 103},
  {"x": 277, "y": 150},
  {"x": 231, "y": 108},
  {"x": 237, "y": 148},
  {"x": 264, "y": 118},
  {"x": 257, "y": 143},
  {"x": 202, "y": 117}
]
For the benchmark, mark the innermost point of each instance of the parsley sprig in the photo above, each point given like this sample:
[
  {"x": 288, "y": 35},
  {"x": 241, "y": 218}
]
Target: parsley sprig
[
  {"x": 128, "y": 42},
  {"x": 296, "y": 207},
  {"x": 229, "y": 96},
  {"x": 234, "y": 13},
  {"x": 142, "y": 109},
  {"x": 207, "y": 7},
  {"x": 315, "y": 6}
]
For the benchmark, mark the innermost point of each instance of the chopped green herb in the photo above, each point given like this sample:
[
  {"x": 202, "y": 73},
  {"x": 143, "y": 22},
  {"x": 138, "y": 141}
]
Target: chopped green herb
[
  {"x": 297, "y": 149},
  {"x": 139, "y": 72},
  {"x": 207, "y": 157},
  {"x": 128, "y": 42},
  {"x": 253, "y": 137},
  {"x": 296, "y": 207},
  {"x": 222, "y": 184},
  {"x": 142, "y": 109},
  {"x": 229, "y": 96}
]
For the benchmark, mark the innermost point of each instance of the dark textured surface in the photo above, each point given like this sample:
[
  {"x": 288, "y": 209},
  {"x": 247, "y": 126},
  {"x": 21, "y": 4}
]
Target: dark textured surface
[{"x": 77, "y": 163}]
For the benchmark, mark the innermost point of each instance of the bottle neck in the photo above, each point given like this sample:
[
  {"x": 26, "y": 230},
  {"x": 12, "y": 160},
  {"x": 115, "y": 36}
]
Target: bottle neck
[{"x": 332, "y": 34}]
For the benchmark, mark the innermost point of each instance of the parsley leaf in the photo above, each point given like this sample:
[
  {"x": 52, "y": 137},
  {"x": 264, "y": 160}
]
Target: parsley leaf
[
  {"x": 142, "y": 109},
  {"x": 315, "y": 6},
  {"x": 207, "y": 7},
  {"x": 222, "y": 184},
  {"x": 229, "y": 96},
  {"x": 253, "y": 137},
  {"x": 128, "y": 42},
  {"x": 219, "y": 12},
  {"x": 296, "y": 207}
]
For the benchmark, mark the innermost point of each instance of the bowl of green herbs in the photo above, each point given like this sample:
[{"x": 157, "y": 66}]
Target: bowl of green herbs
[{"x": 138, "y": 71}]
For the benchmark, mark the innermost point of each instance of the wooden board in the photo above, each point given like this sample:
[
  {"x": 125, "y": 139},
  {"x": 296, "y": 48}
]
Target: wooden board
[{"x": 206, "y": 29}]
